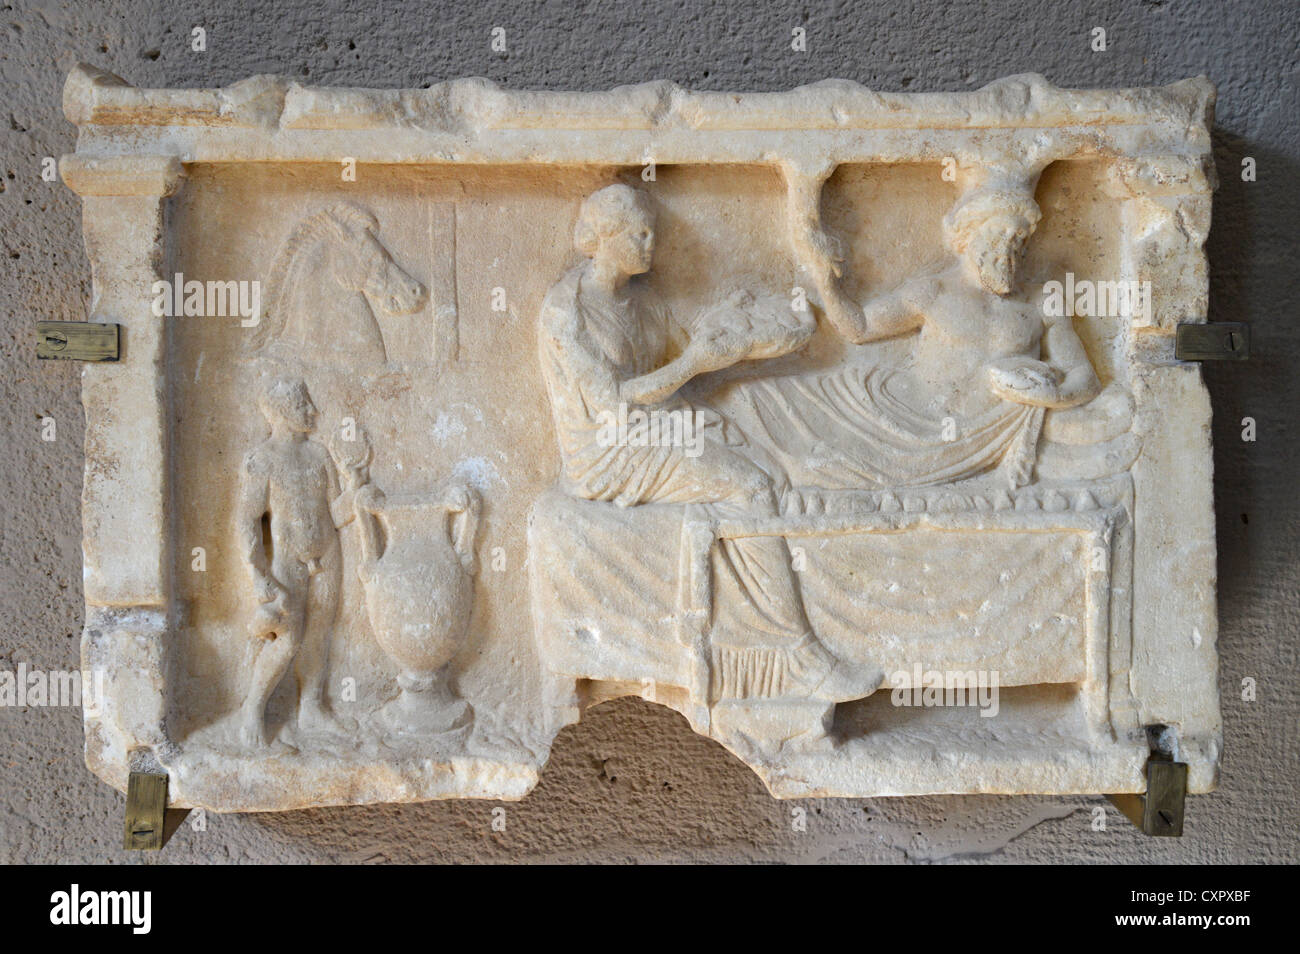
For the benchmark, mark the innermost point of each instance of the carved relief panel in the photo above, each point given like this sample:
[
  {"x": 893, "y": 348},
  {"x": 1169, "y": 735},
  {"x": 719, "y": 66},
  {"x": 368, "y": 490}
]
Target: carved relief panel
[{"x": 845, "y": 424}]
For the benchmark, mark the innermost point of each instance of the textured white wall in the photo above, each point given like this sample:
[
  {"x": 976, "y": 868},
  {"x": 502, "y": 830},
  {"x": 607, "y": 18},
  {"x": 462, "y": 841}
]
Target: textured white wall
[{"x": 632, "y": 782}]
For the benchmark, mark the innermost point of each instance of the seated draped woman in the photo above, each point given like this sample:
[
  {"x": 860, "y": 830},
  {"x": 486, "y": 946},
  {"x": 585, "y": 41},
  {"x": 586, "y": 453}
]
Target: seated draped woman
[
  {"x": 603, "y": 345},
  {"x": 969, "y": 400}
]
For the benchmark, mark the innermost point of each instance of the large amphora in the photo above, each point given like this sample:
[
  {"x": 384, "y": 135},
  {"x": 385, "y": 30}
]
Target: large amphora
[{"x": 418, "y": 572}]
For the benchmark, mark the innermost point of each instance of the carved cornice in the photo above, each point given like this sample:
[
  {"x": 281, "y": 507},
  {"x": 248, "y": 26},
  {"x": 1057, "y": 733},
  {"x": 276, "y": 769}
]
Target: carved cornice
[
  {"x": 94, "y": 97},
  {"x": 122, "y": 175}
]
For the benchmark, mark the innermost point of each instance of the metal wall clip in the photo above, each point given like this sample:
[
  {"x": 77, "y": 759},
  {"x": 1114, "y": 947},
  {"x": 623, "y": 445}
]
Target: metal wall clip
[
  {"x": 1215, "y": 341},
  {"x": 77, "y": 340},
  {"x": 1159, "y": 811}
]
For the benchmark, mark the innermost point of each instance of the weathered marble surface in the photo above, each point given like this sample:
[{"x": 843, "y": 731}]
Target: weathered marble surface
[{"x": 919, "y": 469}]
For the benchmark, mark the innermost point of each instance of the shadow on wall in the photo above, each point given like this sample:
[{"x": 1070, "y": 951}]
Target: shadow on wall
[
  {"x": 633, "y": 783},
  {"x": 1254, "y": 278}
]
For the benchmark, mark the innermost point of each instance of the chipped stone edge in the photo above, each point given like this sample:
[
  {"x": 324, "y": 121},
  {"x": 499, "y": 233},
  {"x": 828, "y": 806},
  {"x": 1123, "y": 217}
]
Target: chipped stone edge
[{"x": 95, "y": 97}]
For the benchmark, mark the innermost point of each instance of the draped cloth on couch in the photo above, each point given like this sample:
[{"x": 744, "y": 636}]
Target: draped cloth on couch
[{"x": 846, "y": 430}]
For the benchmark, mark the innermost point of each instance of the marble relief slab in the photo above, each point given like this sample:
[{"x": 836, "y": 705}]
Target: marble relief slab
[{"x": 846, "y": 424}]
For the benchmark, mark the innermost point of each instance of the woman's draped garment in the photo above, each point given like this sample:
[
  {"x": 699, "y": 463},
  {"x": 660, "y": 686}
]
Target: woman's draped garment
[{"x": 761, "y": 642}]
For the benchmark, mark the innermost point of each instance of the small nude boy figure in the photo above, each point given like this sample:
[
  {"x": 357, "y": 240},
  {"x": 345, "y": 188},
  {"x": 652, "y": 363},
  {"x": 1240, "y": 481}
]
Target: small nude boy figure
[{"x": 289, "y": 482}]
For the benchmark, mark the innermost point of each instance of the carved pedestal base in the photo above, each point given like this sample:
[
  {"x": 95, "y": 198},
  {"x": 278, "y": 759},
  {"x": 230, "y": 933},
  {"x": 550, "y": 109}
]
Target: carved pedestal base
[{"x": 427, "y": 707}]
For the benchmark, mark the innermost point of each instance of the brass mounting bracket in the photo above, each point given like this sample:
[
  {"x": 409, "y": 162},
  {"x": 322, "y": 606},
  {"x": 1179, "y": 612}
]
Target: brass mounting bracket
[
  {"x": 1212, "y": 341},
  {"x": 78, "y": 340},
  {"x": 149, "y": 822},
  {"x": 1158, "y": 811}
]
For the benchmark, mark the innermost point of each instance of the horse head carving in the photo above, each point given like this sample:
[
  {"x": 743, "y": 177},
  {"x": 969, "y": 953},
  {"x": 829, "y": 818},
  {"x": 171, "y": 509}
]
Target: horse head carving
[{"x": 335, "y": 250}]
